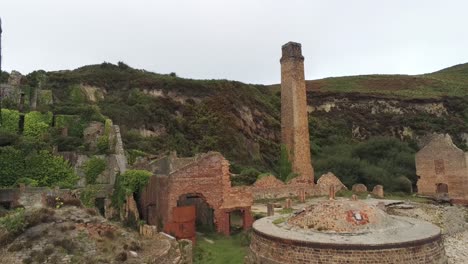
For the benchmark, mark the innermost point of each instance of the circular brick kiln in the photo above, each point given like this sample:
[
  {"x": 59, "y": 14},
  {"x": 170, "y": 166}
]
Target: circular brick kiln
[{"x": 345, "y": 232}]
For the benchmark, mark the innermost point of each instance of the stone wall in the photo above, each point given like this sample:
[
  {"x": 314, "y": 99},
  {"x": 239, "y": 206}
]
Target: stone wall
[
  {"x": 271, "y": 250},
  {"x": 441, "y": 167},
  {"x": 30, "y": 197}
]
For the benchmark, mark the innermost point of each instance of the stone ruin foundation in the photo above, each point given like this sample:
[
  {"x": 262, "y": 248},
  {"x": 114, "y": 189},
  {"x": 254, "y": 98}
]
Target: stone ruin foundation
[{"x": 344, "y": 231}]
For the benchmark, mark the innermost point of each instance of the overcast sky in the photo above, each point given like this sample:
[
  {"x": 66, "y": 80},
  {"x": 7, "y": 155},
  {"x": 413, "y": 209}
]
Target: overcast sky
[{"x": 238, "y": 39}]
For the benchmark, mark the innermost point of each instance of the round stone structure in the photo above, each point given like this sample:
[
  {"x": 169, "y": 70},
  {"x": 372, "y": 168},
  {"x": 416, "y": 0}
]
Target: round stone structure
[{"x": 342, "y": 231}]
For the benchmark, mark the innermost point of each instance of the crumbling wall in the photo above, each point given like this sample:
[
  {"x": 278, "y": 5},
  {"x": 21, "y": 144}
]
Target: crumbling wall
[
  {"x": 269, "y": 187},
  {"x": 207, "y": 177}
]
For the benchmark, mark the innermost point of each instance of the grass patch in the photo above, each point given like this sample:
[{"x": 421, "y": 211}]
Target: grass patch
[
  {"x": 406, "y": 197},
  {"x": 286, "y": 211},
  {"x": 348, "y": 194},
  {"x": 279, "y": 220},
  {"x": 224, "y": 250}
]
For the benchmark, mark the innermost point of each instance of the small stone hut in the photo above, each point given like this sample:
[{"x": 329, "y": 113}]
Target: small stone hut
[{"x": 442, "y": 169}]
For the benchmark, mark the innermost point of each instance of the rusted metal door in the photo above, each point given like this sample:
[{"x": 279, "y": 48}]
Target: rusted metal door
[{"x": 183, "y": 222}]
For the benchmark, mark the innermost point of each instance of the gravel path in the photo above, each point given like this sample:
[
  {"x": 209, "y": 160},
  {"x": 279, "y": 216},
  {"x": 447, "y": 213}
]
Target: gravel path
[
  {"x": 453, "y": 222},
  {"x": 456, "y": 247}
]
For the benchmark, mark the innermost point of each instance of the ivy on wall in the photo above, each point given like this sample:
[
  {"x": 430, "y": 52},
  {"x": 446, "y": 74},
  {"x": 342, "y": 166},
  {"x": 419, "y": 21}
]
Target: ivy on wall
[
  {"x": 73, "y": 122},
  {"x": 128, "y": 183},
  {"x": 12, "y": 165},
  {"x": 41, "y": 168},
  {"x": 36, "y": 124},
  {"x": 10, "y": 120},
  {"x": 93, "y": 168}
]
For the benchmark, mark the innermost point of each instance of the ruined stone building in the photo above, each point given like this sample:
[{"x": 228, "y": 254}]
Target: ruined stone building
[
  {"x": 442, "y": 169},
  {"x": 186, "y": 191},
  {"x": 294, "y": 121}
]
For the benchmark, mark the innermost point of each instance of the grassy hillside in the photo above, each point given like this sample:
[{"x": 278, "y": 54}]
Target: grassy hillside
[
  {"x": 159, "y": 113},
  {"x": 452, "y": 82}
]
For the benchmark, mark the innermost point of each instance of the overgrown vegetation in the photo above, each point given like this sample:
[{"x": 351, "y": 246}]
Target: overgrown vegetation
[
  {"x": 385, "y": 161},
  {"x": 93, "y": 168},
  {"x": 88, "y": 195},
  {"x": 129, "y": 183},
  {"x": 41, "y": 167}
]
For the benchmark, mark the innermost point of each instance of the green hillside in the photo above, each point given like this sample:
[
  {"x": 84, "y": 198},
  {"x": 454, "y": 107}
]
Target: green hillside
[
  {"x": 387, "y": 115},
  {"x": 451, "y": 81}
]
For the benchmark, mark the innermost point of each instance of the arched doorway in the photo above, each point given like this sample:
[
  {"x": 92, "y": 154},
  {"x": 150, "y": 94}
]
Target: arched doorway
[
  {"x": 442, "y": 188},
  {"x": 236, "y": 221},
  {"x": 204, "y": 214}
]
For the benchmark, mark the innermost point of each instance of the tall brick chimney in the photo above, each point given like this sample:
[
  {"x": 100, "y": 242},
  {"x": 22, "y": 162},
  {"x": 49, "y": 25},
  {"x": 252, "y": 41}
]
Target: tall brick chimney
[{"x": 294, "y": 121}]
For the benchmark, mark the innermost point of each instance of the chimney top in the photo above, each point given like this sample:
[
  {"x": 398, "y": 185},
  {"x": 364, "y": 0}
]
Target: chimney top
[{"x": 292, "y": 50}]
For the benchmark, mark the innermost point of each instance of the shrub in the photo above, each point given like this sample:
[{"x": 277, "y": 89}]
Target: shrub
[
  {"x": 376, "y": 161},
  {"x": 93, "y": 168},
  {"x": 12, "y": 164},
  {"x": 15, "y": 222},
  {"x": 36, "y": 124},
  {"x": 7, "y": 138},
  {"x": 247, "y": 177},
  {"x": 68, "y": 143},
  {"x": 10, "y": 120},
  {"x": 50, "y": 170},
  {"x": 103, "y": 146},
  {"x": 285, "y": 166},
  {"x": 88, "y": 195},
  {"x": 128, "y": 183},
  {"x": 27, "y": 182}
]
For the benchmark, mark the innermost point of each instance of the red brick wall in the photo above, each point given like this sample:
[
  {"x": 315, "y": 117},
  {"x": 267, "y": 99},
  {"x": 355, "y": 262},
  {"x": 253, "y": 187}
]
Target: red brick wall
[
  {"x": 269, "y": 251},
  {"x": 207, "y": 177}
]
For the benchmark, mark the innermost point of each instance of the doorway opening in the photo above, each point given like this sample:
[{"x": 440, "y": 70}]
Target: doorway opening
[
  {"x": 204, "y": 214},
  {"x": 236, "y": 221},
  {"x": 100, "y": 205},
  {"x": 442, "y": 188}
]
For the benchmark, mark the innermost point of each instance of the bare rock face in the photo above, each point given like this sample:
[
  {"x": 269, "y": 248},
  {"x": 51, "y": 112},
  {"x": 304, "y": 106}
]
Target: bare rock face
[{"x": 359, "y": 188}]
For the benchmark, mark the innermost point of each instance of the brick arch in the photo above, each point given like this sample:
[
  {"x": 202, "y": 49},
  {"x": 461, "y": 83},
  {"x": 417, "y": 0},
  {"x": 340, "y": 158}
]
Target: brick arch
[
  {"x": 212, "y": 199},
  {"x": 200, "y": 208}
]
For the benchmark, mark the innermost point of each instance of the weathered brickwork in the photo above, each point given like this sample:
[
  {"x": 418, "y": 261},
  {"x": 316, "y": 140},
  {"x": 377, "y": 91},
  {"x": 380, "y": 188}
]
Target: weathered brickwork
[
  {"x": 268, "y": 250},
  {"x": 294, "y": 122},
  {"x": 206, "y": 176},
  {"x": 443, "y": 169},
  {"x": 270, "y": 187}
]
